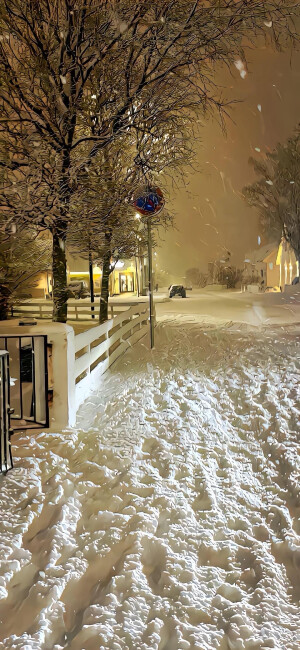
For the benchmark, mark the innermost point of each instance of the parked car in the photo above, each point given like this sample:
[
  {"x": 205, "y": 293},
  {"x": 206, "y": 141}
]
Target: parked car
[
  {"x": 177, "y": 290},
  {"x": 78, "y": 289}
]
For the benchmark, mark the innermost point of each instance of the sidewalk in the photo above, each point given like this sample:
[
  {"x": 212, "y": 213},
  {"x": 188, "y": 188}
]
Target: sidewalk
[
  {"x": 166, "y": 518},
  {"x": 159, "y": 296}
]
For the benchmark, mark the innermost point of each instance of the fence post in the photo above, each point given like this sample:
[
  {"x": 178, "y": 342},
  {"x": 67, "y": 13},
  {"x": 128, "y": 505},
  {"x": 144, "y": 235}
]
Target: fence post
[
  {"x": 89, "y": 353},
  {"x": 107, "y": 339},
  {"x": 5, "y": 431},
  {"x": 142, "y": 312},
  {"x": 63, "y": 410}
]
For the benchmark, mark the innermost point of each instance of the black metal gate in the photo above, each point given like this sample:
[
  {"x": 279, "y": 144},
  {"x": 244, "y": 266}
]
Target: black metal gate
[
  {"x": 28, "y": 380},
  {"x": 5, "y": 412}
]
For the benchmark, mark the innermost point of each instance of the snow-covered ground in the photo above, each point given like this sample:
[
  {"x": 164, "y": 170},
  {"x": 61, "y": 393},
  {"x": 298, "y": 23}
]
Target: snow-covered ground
[{"x": 167, "y": 520}]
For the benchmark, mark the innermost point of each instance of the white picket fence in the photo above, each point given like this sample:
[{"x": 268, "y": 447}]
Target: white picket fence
[
  {"x": 97, "y": 348},
  {"x": 77, "y": 309}
]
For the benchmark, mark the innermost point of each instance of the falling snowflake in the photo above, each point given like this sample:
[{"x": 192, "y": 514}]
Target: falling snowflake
[{"x": 239, "y": 64}]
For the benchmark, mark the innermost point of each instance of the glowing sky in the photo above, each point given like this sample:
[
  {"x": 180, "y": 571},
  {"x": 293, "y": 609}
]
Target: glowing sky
[{"x": 210, "y": 213}]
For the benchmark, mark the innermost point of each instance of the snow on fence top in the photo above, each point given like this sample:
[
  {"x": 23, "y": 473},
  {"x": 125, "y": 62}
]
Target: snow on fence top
[{"x": 77, "y": 309}]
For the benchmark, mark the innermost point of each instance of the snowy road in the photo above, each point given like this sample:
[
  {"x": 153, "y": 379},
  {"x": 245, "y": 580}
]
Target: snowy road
[
  {"x": 168, "y": 519},
  {"x": 222, "y": 306}
]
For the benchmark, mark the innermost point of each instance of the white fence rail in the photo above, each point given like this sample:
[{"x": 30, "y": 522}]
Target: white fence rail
[
  {"x": 77, "y": 362},
  {"x": 77, "y": 309},
  {"x": 97, "y": 348}
]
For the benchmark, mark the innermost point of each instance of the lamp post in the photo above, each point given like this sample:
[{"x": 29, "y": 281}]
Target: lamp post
[
  {"x": 150, "y": 283},
  {"x": 149, "y": 203},
  {"x": 136, "y": 257}
]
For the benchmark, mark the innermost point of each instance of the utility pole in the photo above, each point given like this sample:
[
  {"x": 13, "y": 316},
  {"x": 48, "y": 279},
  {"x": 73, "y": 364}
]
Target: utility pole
[
  {"x": 150, "y": 283},
  {"x": 136, "y": 257}
]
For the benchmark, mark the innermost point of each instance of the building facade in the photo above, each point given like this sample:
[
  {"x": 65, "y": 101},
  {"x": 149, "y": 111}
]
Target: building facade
[
  {"x": 127, "y": 277},
  {"x": 272, "y": 266},
  {"x": 286, "y": 263}
]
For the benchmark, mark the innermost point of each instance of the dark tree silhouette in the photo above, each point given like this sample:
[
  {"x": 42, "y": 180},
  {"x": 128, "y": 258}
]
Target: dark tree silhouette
[{"x": 276, "y": 194}]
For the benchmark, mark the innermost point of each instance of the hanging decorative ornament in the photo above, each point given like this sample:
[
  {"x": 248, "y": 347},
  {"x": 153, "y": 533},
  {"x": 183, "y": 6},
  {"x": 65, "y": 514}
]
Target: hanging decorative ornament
[{"x": 149, "y": 201}]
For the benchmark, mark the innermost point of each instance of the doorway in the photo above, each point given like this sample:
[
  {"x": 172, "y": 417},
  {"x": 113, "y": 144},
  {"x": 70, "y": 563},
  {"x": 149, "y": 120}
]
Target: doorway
[{"x": 126, "y": 281}]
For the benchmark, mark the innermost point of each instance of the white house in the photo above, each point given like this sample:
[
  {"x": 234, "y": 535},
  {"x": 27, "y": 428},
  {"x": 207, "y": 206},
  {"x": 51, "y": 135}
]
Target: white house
[
  {"x": 287, "y": 265},
  {"x": 255, "y": 266},
  {"x": 271, "y": 265}
]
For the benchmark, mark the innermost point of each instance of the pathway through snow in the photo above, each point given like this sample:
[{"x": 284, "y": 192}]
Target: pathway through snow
[{"x": 168, "y": 519}]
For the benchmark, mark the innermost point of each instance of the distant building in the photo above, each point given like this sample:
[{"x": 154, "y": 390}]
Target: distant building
[
  {"x": 42, "y": 285},
  {"x": 271, "y": 265},
  {"x": 272, "y": 270},
  {"x": 128, "y": 276},
  {"x": 286, "y": 263},
  {"x": 216, "y": 266},
  {"x": 255, "y": 266}
]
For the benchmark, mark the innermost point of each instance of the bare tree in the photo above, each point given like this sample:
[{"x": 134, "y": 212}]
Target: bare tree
[
  {"x": 78, "y": 74},
  {"x": 48, "y": 53},
  {"x": 104, "y": 224},
  {"x": 22, "y": 257},
  {"x": 276, "y": 194},
  {"x": 229, "y": 275},
  {"x": 195, "y": 278}
]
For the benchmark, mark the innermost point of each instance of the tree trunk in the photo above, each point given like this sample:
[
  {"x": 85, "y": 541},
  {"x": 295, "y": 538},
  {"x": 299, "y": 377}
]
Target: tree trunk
[
  {"x": 60, "y": 291},
  {"x": 4, "y": 302},
  {"x": 59, "y": 266},
  {"x": 91, "y": 283},
  {"x": 103, "y": 316}
]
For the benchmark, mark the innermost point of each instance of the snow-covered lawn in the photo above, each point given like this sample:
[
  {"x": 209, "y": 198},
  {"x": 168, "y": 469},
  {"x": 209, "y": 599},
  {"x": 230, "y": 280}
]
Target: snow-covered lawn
[{"x": 168, "y": 519}]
